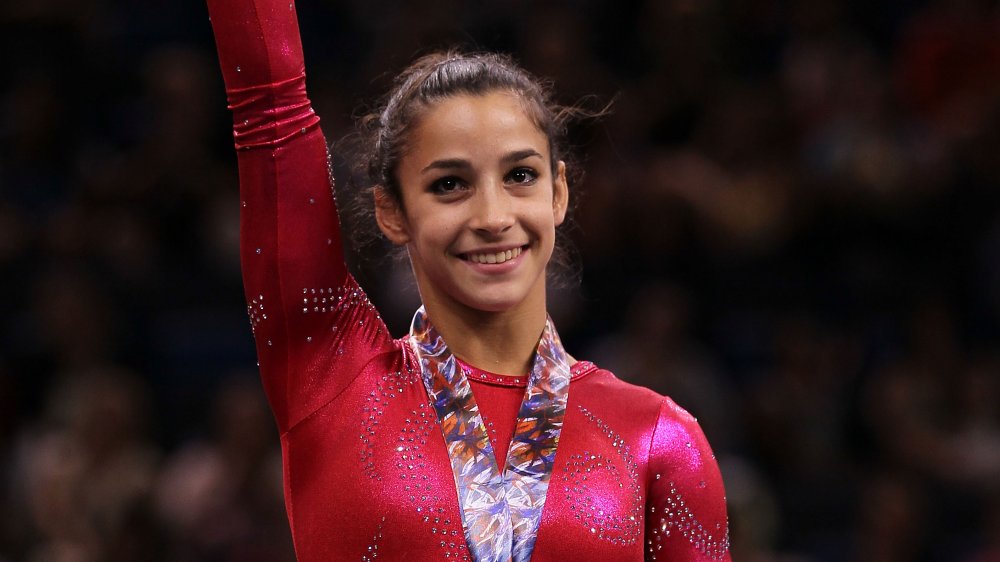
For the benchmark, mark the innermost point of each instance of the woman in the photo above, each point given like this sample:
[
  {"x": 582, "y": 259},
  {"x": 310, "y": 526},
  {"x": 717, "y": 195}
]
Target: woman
[{"x": 391, "y": 445}]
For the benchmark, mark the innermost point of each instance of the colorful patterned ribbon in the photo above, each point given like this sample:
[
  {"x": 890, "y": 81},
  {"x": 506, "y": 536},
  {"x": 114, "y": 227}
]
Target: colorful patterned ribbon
[{"x": 500, "y": 512}]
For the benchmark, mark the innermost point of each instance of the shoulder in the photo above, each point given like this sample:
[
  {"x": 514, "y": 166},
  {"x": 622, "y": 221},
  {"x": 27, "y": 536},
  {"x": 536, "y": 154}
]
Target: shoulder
[
  {"x": 685, "y": 495},
  {"x": 590, "y": 378},
  {"x": 676, "y": 435},
  {"x": 659, "y": 420}
]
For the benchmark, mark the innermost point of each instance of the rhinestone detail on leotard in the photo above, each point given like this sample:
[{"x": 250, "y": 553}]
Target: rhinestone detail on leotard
[
  {"x": 622, "y": 529},
  {"x": 372, "y": 554},
  {"x": 376, "y": 403},
  {"x": 329, "y": 299},
  {"x": 255, "y": 310},
  {"x": 676, "y": 517}
]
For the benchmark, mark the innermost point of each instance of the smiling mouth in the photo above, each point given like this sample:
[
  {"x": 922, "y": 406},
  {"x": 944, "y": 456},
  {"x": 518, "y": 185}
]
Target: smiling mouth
[{"x": 497, "y": 257}]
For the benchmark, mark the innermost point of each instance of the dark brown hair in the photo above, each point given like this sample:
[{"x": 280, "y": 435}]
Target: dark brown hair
[{"x": 382, "y": 134}]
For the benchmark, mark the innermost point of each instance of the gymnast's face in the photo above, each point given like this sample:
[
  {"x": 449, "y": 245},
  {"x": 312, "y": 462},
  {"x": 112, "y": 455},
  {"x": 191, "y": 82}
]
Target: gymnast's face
[{"x": 480, "y": 204}]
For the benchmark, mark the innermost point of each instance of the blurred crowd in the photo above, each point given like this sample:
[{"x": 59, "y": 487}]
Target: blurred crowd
[{"x": 790, "y": 224}]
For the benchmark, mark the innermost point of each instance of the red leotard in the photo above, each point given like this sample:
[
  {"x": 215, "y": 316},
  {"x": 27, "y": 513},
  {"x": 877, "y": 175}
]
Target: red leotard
[{"x": 366, "y": 472}]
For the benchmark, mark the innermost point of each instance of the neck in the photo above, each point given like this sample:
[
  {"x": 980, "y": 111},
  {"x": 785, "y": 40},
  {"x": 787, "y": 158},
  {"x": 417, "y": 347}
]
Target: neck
[{"x": 500, "y": 342}]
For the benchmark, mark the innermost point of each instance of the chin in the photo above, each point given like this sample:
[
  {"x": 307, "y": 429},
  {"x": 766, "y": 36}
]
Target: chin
[
  {"x": 475, "y": 294},
  {"x": 497, "y": 304},
  {"x": 500, "y": 297}
]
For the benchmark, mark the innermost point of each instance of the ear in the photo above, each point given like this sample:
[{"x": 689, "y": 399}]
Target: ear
[
  {"x": 560, "y": 193},
  {"x": 390, "y": 217}
]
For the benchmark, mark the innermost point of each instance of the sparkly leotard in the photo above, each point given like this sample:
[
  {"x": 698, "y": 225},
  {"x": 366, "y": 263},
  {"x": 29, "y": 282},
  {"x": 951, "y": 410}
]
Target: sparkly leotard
[{"x": 367, "y": 474}]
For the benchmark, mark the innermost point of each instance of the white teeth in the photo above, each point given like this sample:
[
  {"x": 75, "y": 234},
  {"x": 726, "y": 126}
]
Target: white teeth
[{"x": 498, "y": 257}]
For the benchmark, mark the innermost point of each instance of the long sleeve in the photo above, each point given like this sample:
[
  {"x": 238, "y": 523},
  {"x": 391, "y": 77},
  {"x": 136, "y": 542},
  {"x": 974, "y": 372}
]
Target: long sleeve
[
  {"x": 313, "y": 326},
  {"x": 686, "y": 507}
]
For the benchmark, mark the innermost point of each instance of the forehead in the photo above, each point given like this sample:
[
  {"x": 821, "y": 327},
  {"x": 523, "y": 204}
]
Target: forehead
[{"x": 476, "y": 124}]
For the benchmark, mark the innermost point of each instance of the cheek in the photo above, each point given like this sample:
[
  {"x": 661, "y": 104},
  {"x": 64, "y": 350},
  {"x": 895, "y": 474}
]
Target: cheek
[
  {"x": 435, "y": 233},
  {"x": 543, "y": 219}
]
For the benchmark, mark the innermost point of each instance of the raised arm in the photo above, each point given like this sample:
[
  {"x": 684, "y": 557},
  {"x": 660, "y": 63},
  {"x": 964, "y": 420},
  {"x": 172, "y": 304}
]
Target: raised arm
[{"x": 307, "y": 314}]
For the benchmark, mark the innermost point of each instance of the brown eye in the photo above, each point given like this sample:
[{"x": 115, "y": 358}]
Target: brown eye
[
  {"x": 522, "y": 176},
  {"x": 448, "y": 184}
]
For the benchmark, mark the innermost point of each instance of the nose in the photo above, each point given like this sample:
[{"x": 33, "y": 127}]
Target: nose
[{"x": 493, "y": 211}]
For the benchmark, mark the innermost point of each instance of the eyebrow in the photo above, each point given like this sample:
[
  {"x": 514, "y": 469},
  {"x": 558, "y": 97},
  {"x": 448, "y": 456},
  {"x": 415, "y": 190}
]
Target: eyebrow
[{"x": 462, "y": 164}]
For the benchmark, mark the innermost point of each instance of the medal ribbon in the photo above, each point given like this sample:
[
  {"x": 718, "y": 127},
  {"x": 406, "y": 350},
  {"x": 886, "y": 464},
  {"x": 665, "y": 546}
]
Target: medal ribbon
[{"x": 500, "y": 511}]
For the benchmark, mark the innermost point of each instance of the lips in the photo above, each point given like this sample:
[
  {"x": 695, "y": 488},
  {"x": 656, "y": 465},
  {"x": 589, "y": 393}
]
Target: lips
[{"x": 493, "y": 257}]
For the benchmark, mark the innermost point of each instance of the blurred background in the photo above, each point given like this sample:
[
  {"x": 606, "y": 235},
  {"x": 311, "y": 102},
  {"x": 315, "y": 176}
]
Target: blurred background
[{"x": 790, "y": 224}]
